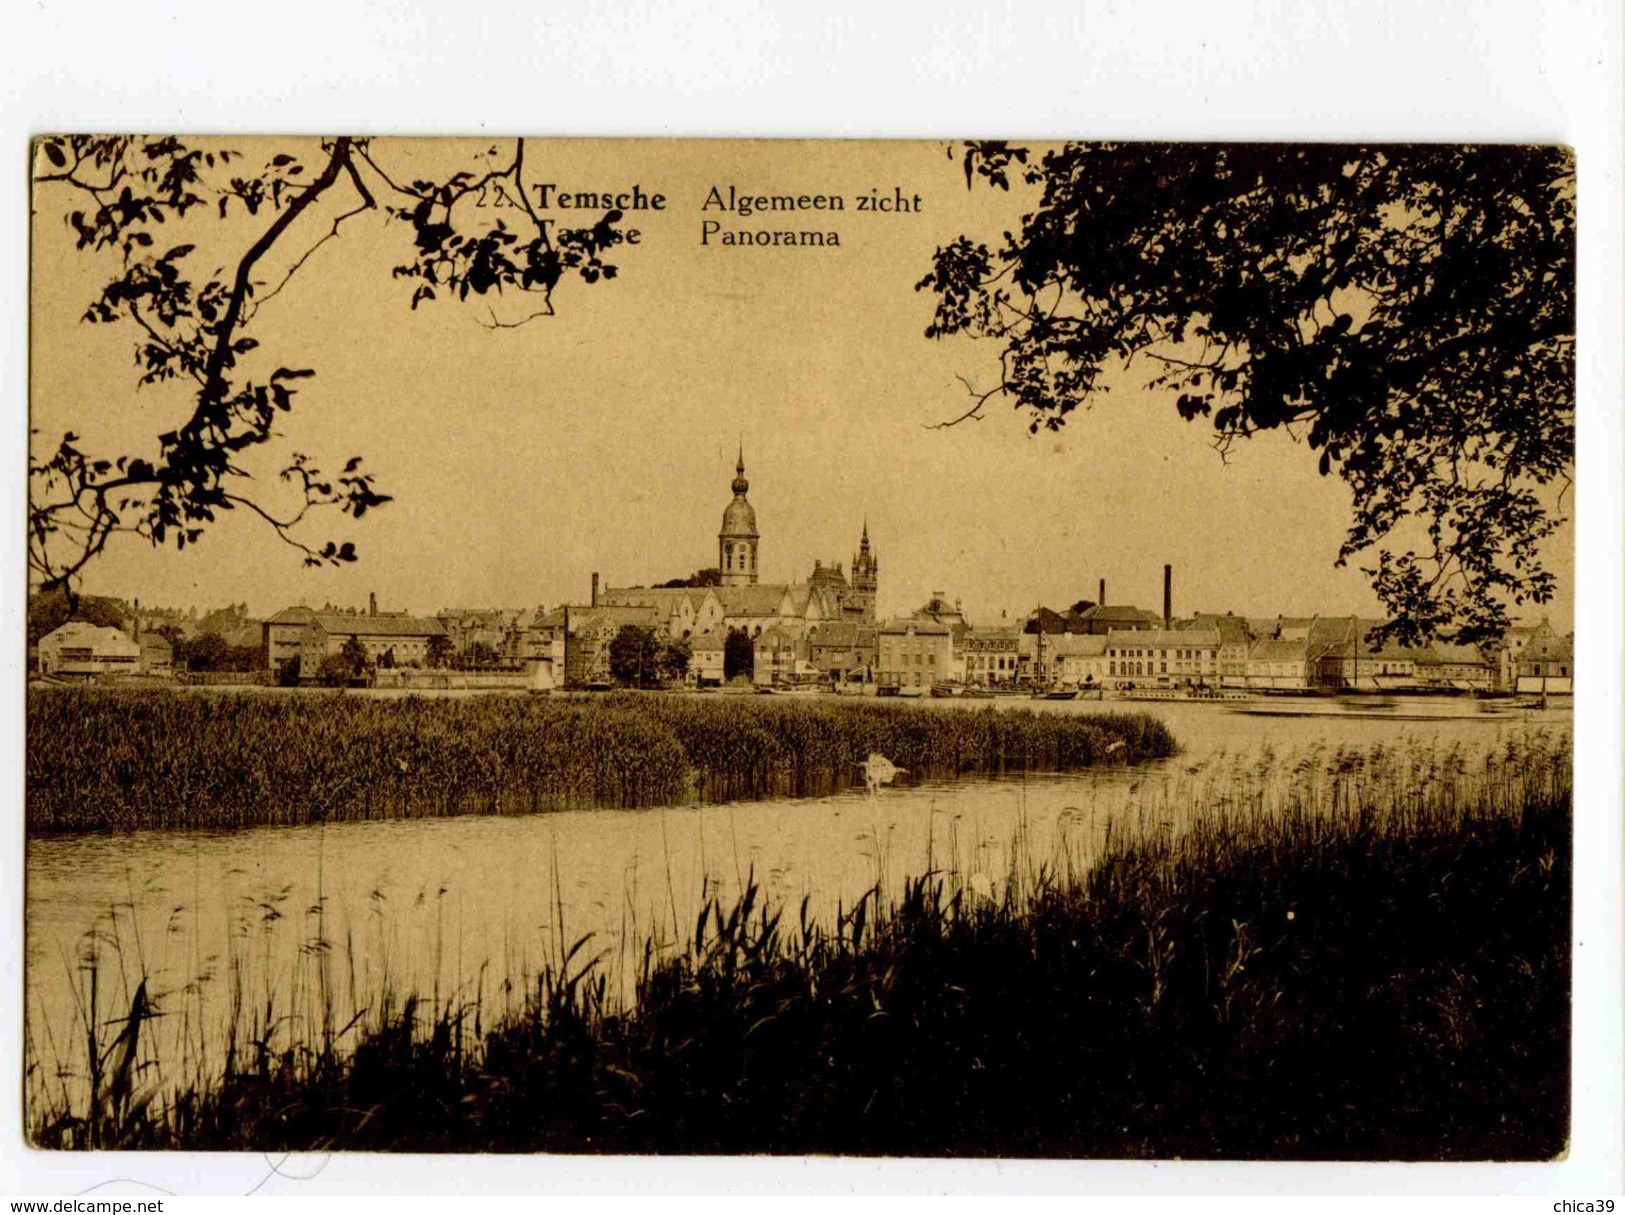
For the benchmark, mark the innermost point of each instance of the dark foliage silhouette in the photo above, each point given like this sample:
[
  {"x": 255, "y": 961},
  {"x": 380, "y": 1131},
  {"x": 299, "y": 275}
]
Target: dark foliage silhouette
[
  {"x": 119, "y": 193},
  {"x": 1408, "y": 312}
]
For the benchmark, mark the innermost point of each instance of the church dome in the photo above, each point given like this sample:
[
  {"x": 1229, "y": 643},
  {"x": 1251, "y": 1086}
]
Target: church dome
[{"x": 739, "y": 519}]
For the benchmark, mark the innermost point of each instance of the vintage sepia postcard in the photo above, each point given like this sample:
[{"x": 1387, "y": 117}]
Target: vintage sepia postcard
[{"x": 891, "y": 648}]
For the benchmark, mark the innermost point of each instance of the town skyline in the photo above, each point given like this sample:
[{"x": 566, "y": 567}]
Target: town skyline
[
  {"x": 523, "y": 460},
  {"x": 983, "y": 609},
  {"x": 897, "y": 603}
]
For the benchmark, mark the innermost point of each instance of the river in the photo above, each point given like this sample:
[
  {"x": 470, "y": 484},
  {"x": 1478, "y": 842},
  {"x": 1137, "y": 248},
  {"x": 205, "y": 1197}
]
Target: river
[{"x": 331, "y": 916}]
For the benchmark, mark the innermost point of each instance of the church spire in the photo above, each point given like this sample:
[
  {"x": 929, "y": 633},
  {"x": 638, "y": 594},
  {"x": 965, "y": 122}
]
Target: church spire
[
  {"x": 737, "y": 541},
  {"x": 865, "y": 578}
]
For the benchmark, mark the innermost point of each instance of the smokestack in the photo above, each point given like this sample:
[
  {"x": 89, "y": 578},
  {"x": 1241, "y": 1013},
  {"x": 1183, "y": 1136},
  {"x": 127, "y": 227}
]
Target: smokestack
[
  {"x": 1102, "y": 600},
  {"x": 372, "y": 603},
  {"x": 594, "y": 599},
  {"x": 1167, "y": 596}
]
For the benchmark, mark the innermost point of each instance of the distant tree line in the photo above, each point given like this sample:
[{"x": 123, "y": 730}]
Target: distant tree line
[
  {"x": 209, "y": 651},
  {"x": 699, "y": 578},
  {"x": 49, "y": 611}
]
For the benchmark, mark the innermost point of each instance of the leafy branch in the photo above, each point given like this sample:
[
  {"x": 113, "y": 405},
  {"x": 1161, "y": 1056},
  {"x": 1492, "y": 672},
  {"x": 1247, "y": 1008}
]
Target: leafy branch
[
  {"x": 121, "y": 191},
  {"x": 1408, "y": 313}
]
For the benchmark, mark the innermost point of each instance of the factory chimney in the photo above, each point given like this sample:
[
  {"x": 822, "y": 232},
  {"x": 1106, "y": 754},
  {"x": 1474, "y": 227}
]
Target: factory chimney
[
  {"x": 1102, "y": 592},
  {"x": 1167, "y": 596},
  {"x": 594, "y": 600},
  {"x": 372, "y": 603}
]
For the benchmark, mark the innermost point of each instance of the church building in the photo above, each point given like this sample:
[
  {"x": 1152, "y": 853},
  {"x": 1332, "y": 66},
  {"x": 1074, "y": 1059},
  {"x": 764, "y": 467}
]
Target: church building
[{"x": 743, "y": 601}]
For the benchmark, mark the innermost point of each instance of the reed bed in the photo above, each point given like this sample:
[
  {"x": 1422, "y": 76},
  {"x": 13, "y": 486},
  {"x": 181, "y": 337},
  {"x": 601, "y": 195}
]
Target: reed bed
[
  {"x": 101, "y": 759},
  {"x": 1354, "y": 954}
]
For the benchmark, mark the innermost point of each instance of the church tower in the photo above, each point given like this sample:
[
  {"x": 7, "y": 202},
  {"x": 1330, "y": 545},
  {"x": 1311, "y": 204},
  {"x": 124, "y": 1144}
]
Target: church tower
[
  {"x": 736, "y": 542},
  {"x": 865, "y": 578}
]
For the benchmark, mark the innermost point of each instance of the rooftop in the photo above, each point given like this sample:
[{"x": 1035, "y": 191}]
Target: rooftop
[
  {"x": 1167, "y": 638},
  {"x": 842, "y": 633},
  {"x": 667, "y": 598},
  {"x": 924, "y": 627},
  {"x": 1232, "y": 629},
  {"x": 763, "y": 599},
  {"x": 1078, "y": 645},
  {"x": 379, "y": 626},
  {"x": 1293, "y": 649},
  {"x": 1456, "y": 655},
  {"x": 78, "y": 633},
  {"x": 1105, "y": 612}
]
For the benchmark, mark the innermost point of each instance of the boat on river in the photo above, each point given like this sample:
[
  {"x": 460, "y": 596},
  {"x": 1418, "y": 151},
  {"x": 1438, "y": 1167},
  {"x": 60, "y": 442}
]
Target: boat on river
[
  {"x": 1384, "y": 709},
  {"x": 1204, "y": 695}
]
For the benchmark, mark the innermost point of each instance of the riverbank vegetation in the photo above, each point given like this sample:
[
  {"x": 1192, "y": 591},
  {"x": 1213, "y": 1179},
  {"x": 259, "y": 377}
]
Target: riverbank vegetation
[
  {"x": 1358, "y": 954},
  {"x": 100, "y": 759}
]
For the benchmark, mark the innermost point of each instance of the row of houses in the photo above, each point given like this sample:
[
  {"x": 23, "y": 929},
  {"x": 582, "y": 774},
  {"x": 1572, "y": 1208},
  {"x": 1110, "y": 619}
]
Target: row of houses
[
  {"x": 571, "y": 642},
  {"x": 1300, "y": 655},
  {"x": 935, "y": 644},
  {"x": 1280, "y": 654},
  {"x": 796, "y": 615},
  {"x": 577, "y": 642}
]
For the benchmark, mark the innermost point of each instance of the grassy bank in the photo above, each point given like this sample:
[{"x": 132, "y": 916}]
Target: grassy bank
[
  {"x": 100, "y": 759},
  {"x": 1375, "y": 966}
]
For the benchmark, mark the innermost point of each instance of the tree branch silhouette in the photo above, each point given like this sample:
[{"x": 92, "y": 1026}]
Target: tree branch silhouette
[
  {"x": 1406, "y": 312},
  {"x": 126, "y": 189}
]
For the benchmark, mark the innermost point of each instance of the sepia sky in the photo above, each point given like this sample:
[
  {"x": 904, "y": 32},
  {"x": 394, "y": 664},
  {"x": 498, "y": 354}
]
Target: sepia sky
[{"x": 603, "y": 438}]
